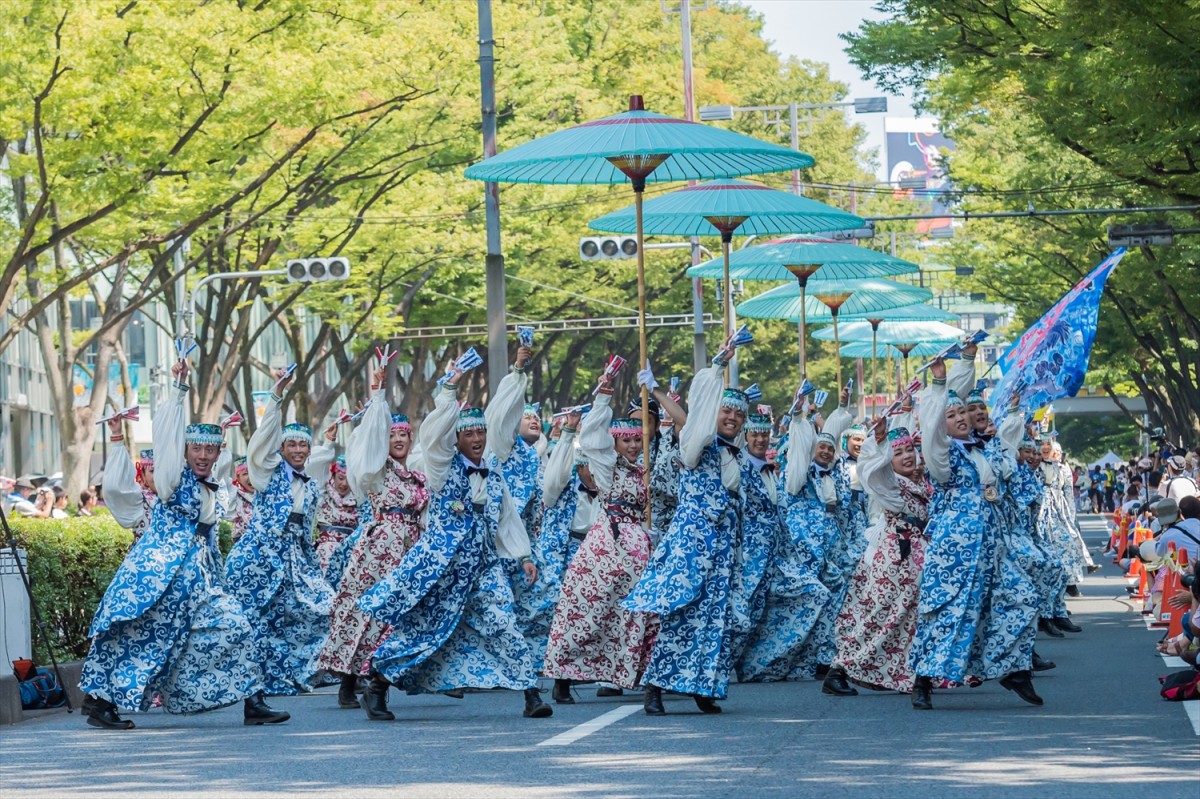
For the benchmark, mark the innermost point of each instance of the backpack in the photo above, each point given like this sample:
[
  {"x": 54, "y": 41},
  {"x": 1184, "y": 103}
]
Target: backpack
[
  {"x": 41, "y": 691},
  {"x": 1180, "y": 686}
]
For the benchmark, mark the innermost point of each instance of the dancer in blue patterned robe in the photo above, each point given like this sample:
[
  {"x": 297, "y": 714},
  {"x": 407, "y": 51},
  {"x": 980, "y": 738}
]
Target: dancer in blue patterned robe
[
  {"x": 166, "y": 627},
  {"x": 687, "y": 581},
  {"x": 450, "y": 602},
  {"x": 844, "y": 542},
  {"x": 762, "y": 526},
  {"x": 569, "y": 494},
  {"x": 781, "y": 647},
  {"x": 976, "y": 605},
  {"x": 1060, "y": 527},
  {"x": 522, "y": 465},
  {"x": 274, "y": 570}
]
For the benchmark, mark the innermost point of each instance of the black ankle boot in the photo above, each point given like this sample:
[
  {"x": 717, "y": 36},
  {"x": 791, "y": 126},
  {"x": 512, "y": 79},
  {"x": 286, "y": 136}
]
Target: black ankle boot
[
  {"x": 1066, "y": 625},
  {"x": 535, "y": 708},
  {"x": 1049, "y": 629},
  {"x": 374, "y": 699},
  {"x": 653, "y": 703},
  {"x": 836, "y": 683},
  {"x": 1021, "y": 683},
  {"x": 561, "y": 694},
  {"x": 256, "y": 711},
  {"x": 1041, "y": 664},
  {"x": 706, "y": 704},
  {"x": 1073, "y": 591},
  {"x": 922, "y": 694},
  {"x": 103, "y": 714},
  {"x": 347, "y": 696}
]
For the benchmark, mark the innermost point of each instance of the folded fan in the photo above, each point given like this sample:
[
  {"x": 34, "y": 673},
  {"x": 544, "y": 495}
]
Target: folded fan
[
  {"x": 131, "y": 413},
  {"x": 525, "y": 335}
]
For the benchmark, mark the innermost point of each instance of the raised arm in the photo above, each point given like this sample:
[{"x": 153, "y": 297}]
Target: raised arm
[
  {"x": 558, "y": 467},
  {"x": 167, "y": 434},
  {"x": 596, "y": 441},
  {"x": 437, "y": 438},
  {"x": 877, "y": 476},
  {"x": 802, "y": 438},
  {"x": 367, "y": 449},
  {"x": 935, "y": 441},
  {"x": 122, "y": 494},
  {"x": 262, "y": 453},
  {"x": 704, "y": 401},
  {"x": 503, "y": 411},
  {"x": 961, "y": 377}
]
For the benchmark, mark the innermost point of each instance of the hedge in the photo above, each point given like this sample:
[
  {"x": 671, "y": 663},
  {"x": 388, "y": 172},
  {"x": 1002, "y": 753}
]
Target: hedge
[{"x": 71, "y": 562}]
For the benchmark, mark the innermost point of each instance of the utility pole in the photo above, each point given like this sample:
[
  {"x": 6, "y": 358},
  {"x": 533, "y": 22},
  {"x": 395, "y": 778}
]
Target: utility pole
[
  {"x": 494, "y": 263},
  {"x": 699, "y": 353}
]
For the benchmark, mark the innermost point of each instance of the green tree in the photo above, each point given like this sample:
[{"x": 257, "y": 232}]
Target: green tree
[{"x": 1069, "y": 104}]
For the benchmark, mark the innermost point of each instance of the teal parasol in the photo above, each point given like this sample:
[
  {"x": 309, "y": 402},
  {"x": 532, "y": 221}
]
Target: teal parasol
[
  {"x": 725, "y": 208},
  {"x": 638, "y": 147}
]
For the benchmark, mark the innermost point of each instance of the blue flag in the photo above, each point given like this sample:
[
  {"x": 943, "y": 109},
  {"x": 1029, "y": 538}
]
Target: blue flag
[{"x": 1050, "y": 359}]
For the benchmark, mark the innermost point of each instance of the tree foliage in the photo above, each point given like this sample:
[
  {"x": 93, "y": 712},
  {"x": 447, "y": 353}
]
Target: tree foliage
[{"x": 1069, "y": 105}]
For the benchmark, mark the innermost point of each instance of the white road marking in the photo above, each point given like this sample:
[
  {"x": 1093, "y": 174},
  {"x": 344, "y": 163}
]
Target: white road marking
[{"x": 588, "y": 727}]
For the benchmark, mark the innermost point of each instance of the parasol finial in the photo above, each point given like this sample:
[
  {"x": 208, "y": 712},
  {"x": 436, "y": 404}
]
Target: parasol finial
[{"x": 635, "y": 103}]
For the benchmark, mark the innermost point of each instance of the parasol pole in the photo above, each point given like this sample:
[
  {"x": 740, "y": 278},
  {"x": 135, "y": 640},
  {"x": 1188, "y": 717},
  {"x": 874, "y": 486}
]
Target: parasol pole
[
  {"x": 727, "y": 225},
  {"x": 803, "y": 272},
  {"x": 874, "y": 344},
  {"x": 834, "y": 301}
]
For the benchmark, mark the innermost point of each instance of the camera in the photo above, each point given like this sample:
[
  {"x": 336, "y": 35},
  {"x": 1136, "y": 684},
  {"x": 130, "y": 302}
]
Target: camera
[{"x": 1188, "y": 581}]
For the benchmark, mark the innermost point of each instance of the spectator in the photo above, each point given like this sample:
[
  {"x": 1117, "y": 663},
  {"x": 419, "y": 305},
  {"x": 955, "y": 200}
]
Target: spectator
[
  {"x": 1178, "y": 485},
  {"x": 25, "y": 500},
  {"x": 1096, "y": 489},
  {"x": 57, "y": 498},
  {"x": 1109, "y": 482},
  {"x": 1179, "y": 524},
  {"x": 87, "y": 503}
]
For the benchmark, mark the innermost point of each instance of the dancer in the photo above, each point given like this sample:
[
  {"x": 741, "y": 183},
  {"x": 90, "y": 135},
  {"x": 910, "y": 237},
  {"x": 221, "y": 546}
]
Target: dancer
[
  {"x": 569, "y": 494},
  {"x": 166, "y": 627},
  {"x": 241, "y": 496},
  {"x": 337, "y": 516},
  {"x": 273, "y": 569},
  {"x": 1059, "y": 525},
  {"x": 450, "y": 602},
  {"x": 667, "y": 418},
  {"x": 592, "y": 636},
  {"x": 687, "y": 580},
  {"x": 377, "y": 469},
  {"x": 1044, "y": 570},
  {"x": 876, "y": 624},
  {"x": 976, "y": 606},
  {"x": 780, "y": 647},
  {"x": 762, "y": 526}
]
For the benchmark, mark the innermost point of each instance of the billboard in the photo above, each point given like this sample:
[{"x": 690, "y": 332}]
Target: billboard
[{"x": 916, "y": 161}]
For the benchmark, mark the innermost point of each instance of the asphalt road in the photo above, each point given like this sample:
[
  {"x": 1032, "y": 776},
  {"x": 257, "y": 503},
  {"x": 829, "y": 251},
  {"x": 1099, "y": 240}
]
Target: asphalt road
[{"x": 1104, "y": 732}]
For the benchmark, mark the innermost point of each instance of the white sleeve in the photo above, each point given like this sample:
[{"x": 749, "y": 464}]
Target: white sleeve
[
  {"x": 503, "y": 414},
  {"x": 935, "y": 441},
  {"x": 597, "y": 442},
  {"x": 367, "y": 449},
  {"x": 802, "y": 437},
  {"x": 838, "y": 422},
  {"x": 262, "y": 453},
  {"x": 122, "y": 494},
  {"x": 558, "y": 468},
  {"x": 903, "y": 419},
  {"x": 320, "y": 458},
  {"x": 1011, "y": 430},
  {"x": 437, "y": 439},
  {"x": 704, "y": 402},
  {"x": 877, "y": 477},
  {"x": 511, "y": 539},
  {"x": 222, "y": 471},
  {"x": 167, "y": 434},
  {"x": 960, "y": 377}
]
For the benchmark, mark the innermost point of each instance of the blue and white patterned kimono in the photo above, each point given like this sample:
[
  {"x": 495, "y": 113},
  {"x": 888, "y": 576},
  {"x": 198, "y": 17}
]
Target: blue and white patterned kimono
[
  {"x": 1044, "y": 569},
  {"x": 688, "y": 579},
  {"x": 522, "y": 468},
  {"x": 1058, "y": 522},
  {"x": 274, "y": 569},
  {"x": 762, "y": 520},
  {"x": 781, "y": 647},
  {"x": 565, "y": 522},
  {"x": 165, "y": 625},
  {"x": 978, "y": 610},
  {"x": 449, "y": 601}
]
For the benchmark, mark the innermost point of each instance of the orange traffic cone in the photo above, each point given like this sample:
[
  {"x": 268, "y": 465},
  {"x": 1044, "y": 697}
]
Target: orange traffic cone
[{"x": 1175, "y": 625}]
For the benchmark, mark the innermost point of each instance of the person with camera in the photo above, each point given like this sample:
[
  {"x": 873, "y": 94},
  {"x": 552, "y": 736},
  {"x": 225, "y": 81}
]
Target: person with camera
[
  {"x": 1178, "y": 485},
  {"x": 28, "y": 501}
]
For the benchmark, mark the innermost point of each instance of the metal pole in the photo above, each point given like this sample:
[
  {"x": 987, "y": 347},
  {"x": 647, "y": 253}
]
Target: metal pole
[
  {"x": 795, "y": 125},
  {"x": 699, "y": 350},
  {"x": 494, "y": 262},
  {"x": 644, "y": 349}
]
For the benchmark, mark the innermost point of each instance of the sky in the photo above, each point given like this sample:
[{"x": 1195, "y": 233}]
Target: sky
[{"x": 809, "y": 29}]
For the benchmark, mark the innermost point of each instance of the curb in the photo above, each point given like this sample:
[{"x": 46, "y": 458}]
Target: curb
[{"x": 11, "y": 711}]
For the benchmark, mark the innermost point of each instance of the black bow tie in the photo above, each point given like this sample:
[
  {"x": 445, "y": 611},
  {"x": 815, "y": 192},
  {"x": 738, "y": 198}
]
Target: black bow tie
[
  {"x": 300, "y": 476},
  {"x": 591, "y": 492},
  {"x": 479, "y": 470},
  {"x": 729, "y": 445},
  {"x": 770, "y": 468},
  {"x": 974, "y": 445},
  {"x": 211, "y": 485}
]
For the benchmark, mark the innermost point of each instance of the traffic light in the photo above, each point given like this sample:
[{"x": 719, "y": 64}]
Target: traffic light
[
  {"x": 604, "y": 248},
  {"x": 317, "y": 270}
]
